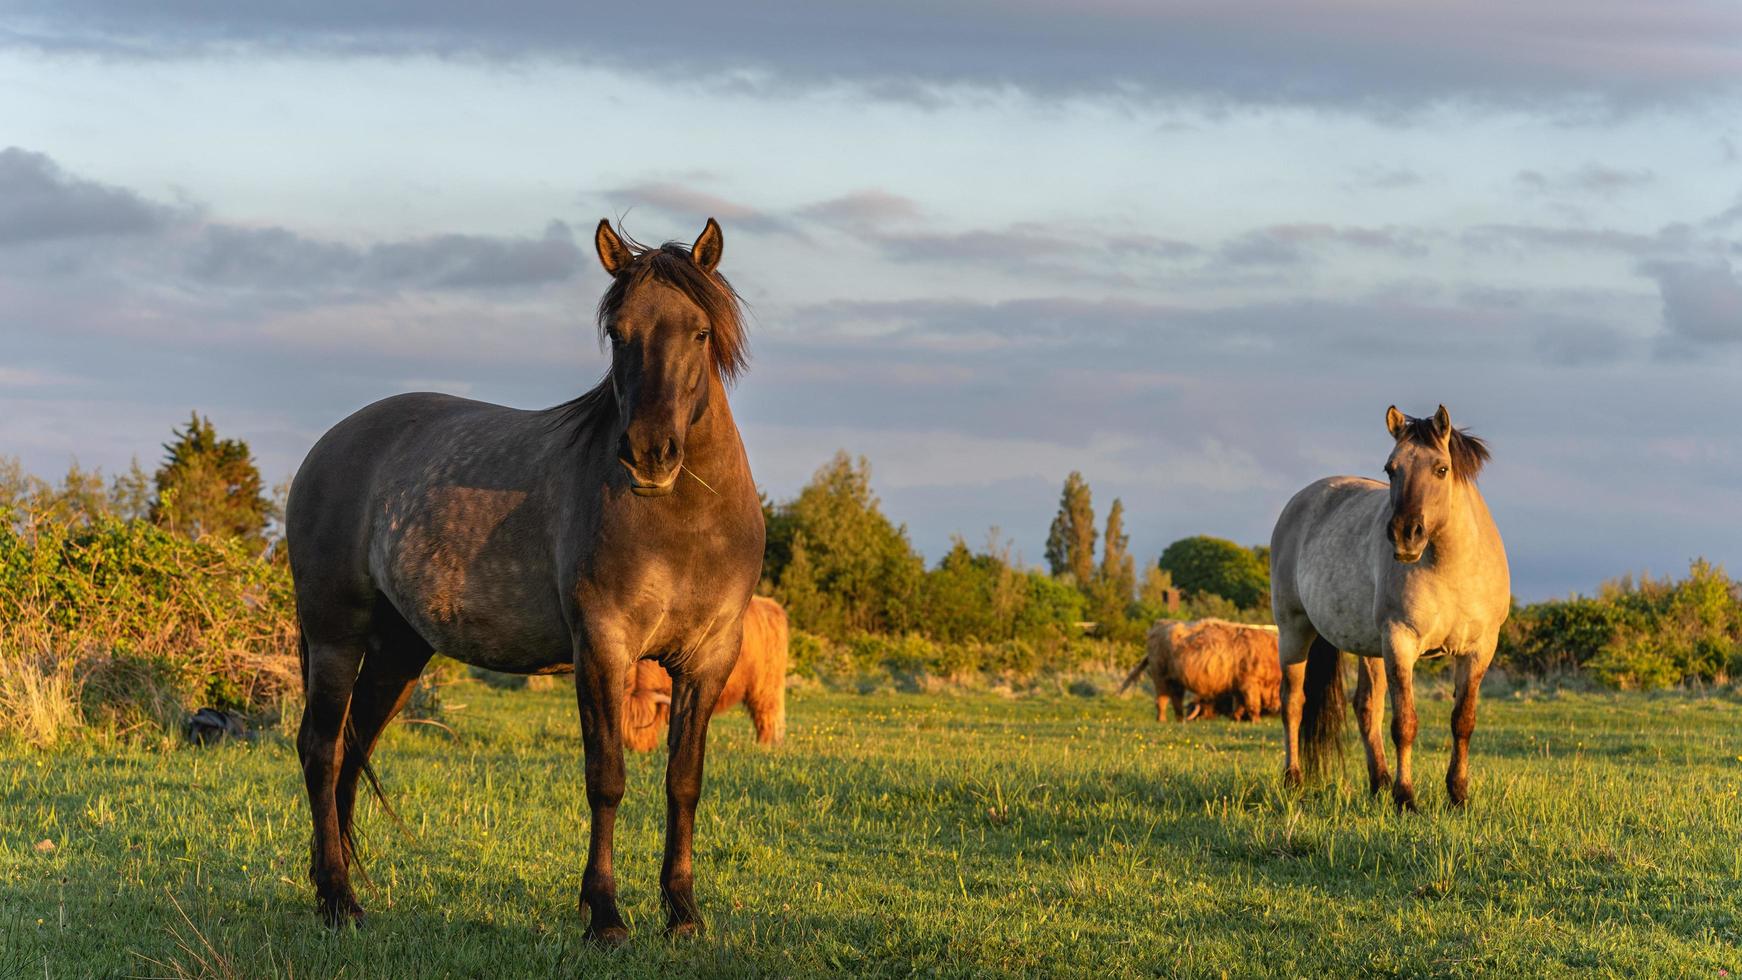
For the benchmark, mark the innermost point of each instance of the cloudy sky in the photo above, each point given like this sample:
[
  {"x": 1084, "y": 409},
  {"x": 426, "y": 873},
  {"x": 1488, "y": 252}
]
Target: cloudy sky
[{"x": 1192, "y": 249}]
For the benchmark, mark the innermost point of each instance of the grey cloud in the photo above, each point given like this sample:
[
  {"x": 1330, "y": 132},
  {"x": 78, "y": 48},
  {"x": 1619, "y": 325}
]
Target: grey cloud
[
  {"x": 1384, "y": 178},
  {"x": 1725, "y": 218},
  {"x": 1277, "y": 334},
  {"x": 1675, "y": 239},
  {"x": 1702, "y": 304},
  {"x": 1292, "y": 243},
  {"x": 862, "y": 209},
  {"x": 1593, "y": 178},
  {"x": 682, "y": 200},
  {"x": 1600, "y": 55},
  {"x": 1016, "y": 245},
  {"x": 40, "y": 202},
  {"x": 279, "y": 259}
]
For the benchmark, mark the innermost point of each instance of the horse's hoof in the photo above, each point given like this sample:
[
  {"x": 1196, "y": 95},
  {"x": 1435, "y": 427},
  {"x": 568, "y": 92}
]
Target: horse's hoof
[
  {"x": 341, "y": 912},
  {"x": 684, "y": 930},
  {"x": 1379, "y": 784},
  {"x": 1405, "y": 802},
  {"x": 1291, "y": 778},
  {"x": 610, "y": 937}
]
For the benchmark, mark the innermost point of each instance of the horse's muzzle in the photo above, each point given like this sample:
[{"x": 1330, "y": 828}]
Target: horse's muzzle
[
  {"x": 1407, "y": 558},
  {"x": 666, "y": 460},
  {"x": 650, "y": 488}
]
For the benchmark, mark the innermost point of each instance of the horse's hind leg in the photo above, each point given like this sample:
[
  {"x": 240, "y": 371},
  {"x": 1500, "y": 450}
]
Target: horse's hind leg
[
  {"x": 1293, "y": 642},
  {"x": 396, "y": 657},
  {"x": 330, "y": 673},
  {"x": 1369, "y": 712},
  {"x": 1467, "y": 673}
]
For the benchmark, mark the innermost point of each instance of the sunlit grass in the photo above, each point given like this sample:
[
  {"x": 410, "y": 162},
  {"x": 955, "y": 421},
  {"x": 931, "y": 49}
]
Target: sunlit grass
[{"x": 897, "y": 833}]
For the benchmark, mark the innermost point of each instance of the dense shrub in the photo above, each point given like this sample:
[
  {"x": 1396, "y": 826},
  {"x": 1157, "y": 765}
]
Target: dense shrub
[
  {"x": 123, "y": 624},
  {"x": 1651, "y": 634},
  {"x": 1207, "y": 565}
]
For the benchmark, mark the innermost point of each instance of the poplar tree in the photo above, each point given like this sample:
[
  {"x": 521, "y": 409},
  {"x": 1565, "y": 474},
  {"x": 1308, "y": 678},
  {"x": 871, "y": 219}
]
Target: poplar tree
[{"x": 1070, "y": 544}]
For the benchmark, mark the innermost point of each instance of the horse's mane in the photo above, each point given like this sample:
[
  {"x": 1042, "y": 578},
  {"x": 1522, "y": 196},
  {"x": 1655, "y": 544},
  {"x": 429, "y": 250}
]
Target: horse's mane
[
  {"x": 711, "y": 292},
  {"x": 1469, "y": 453}
]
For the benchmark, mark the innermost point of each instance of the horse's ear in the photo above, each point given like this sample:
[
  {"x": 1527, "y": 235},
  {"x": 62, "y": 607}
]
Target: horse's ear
[
  {"x": 613, "y": 254},
  {"x": 1395, "y": 422},
  {"x": 1443, "y": 422},
  {"x": 706, "y": 251}
]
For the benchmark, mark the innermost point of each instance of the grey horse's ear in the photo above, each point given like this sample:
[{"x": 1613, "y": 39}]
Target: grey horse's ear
[
  {"x": 1396, "y": 422},
  {"x": 1443, "y": 422},
  {"x": 613, "y": 254},
  {"x": 706, "y": 250}
]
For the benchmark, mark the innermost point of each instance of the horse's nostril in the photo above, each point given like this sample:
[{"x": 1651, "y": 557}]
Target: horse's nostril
[{"x": 668, "y": 451}]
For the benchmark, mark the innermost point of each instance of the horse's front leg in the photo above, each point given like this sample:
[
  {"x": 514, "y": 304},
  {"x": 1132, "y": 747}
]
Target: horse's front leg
[
  {"x": 1402, "y": 647},
  {"x": 695, "y": 688},
  {"x": 601, "y": 671},
  {"x": 1467, "y": 673}
]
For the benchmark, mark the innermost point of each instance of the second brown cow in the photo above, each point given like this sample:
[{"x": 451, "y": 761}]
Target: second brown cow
[
  {"x": 758, "y": 682},
  {"x": 1228, "y": 668}
]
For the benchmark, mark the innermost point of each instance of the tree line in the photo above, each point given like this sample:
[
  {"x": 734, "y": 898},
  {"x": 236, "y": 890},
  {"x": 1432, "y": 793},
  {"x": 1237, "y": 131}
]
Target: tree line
[
  {"x": 843, "y": 567},
  {"x": 859, "y": 592}
]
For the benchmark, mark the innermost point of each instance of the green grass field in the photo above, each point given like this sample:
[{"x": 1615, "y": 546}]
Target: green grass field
[{"x": 900, "y": 833}]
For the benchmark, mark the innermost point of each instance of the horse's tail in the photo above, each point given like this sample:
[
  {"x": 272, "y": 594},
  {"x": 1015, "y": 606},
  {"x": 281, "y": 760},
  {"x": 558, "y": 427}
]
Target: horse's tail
[{"x": 1321, "y": 721}]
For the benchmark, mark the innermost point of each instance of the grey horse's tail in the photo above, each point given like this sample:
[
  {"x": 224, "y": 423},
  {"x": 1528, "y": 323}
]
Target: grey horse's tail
[{"x": 1321, "y": 721}]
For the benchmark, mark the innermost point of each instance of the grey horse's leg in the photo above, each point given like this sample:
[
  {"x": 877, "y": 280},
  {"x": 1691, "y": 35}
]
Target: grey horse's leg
[
  {"x": 1292, "y": 644},
  {"x": 1401, "y": 651},
  {"x": 1369, "y": 712},
  {"x": 694, "y": 691},
  {"x": 601, "y": 675},
  {"x": 330, "y": 673},
  {"x": 1467, "y": 675}
]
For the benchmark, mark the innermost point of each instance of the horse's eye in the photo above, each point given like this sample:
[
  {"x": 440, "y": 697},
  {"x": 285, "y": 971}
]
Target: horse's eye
[
  {"x": 1442, "y": 471},
  {"x": 701, "y": 336}
]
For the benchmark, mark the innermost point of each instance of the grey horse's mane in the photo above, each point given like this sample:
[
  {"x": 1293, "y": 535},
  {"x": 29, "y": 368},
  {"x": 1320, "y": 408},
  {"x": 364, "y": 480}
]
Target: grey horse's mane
[{"x": 1469, "y": 453}]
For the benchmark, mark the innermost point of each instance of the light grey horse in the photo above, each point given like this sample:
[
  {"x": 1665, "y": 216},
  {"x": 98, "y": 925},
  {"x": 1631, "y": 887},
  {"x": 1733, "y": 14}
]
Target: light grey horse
[{"x": 1391, "y": 574}]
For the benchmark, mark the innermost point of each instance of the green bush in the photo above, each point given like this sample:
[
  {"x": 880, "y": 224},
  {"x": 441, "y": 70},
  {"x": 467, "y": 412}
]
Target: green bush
[
  {"x": 135, "y": 625},
  {"x": 1635, "y": 636},
  {"x": 1204, "y": 564}
]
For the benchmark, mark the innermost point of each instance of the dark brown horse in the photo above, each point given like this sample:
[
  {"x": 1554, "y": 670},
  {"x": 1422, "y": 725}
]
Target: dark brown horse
[{"x": 619, "y": 526}]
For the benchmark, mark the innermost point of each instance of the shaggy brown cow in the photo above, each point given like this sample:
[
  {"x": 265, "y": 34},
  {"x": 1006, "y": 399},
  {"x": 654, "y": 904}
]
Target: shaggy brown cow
[
  {"x": 1229, "y": 668},
  {"x": 758, "y": 682}
]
